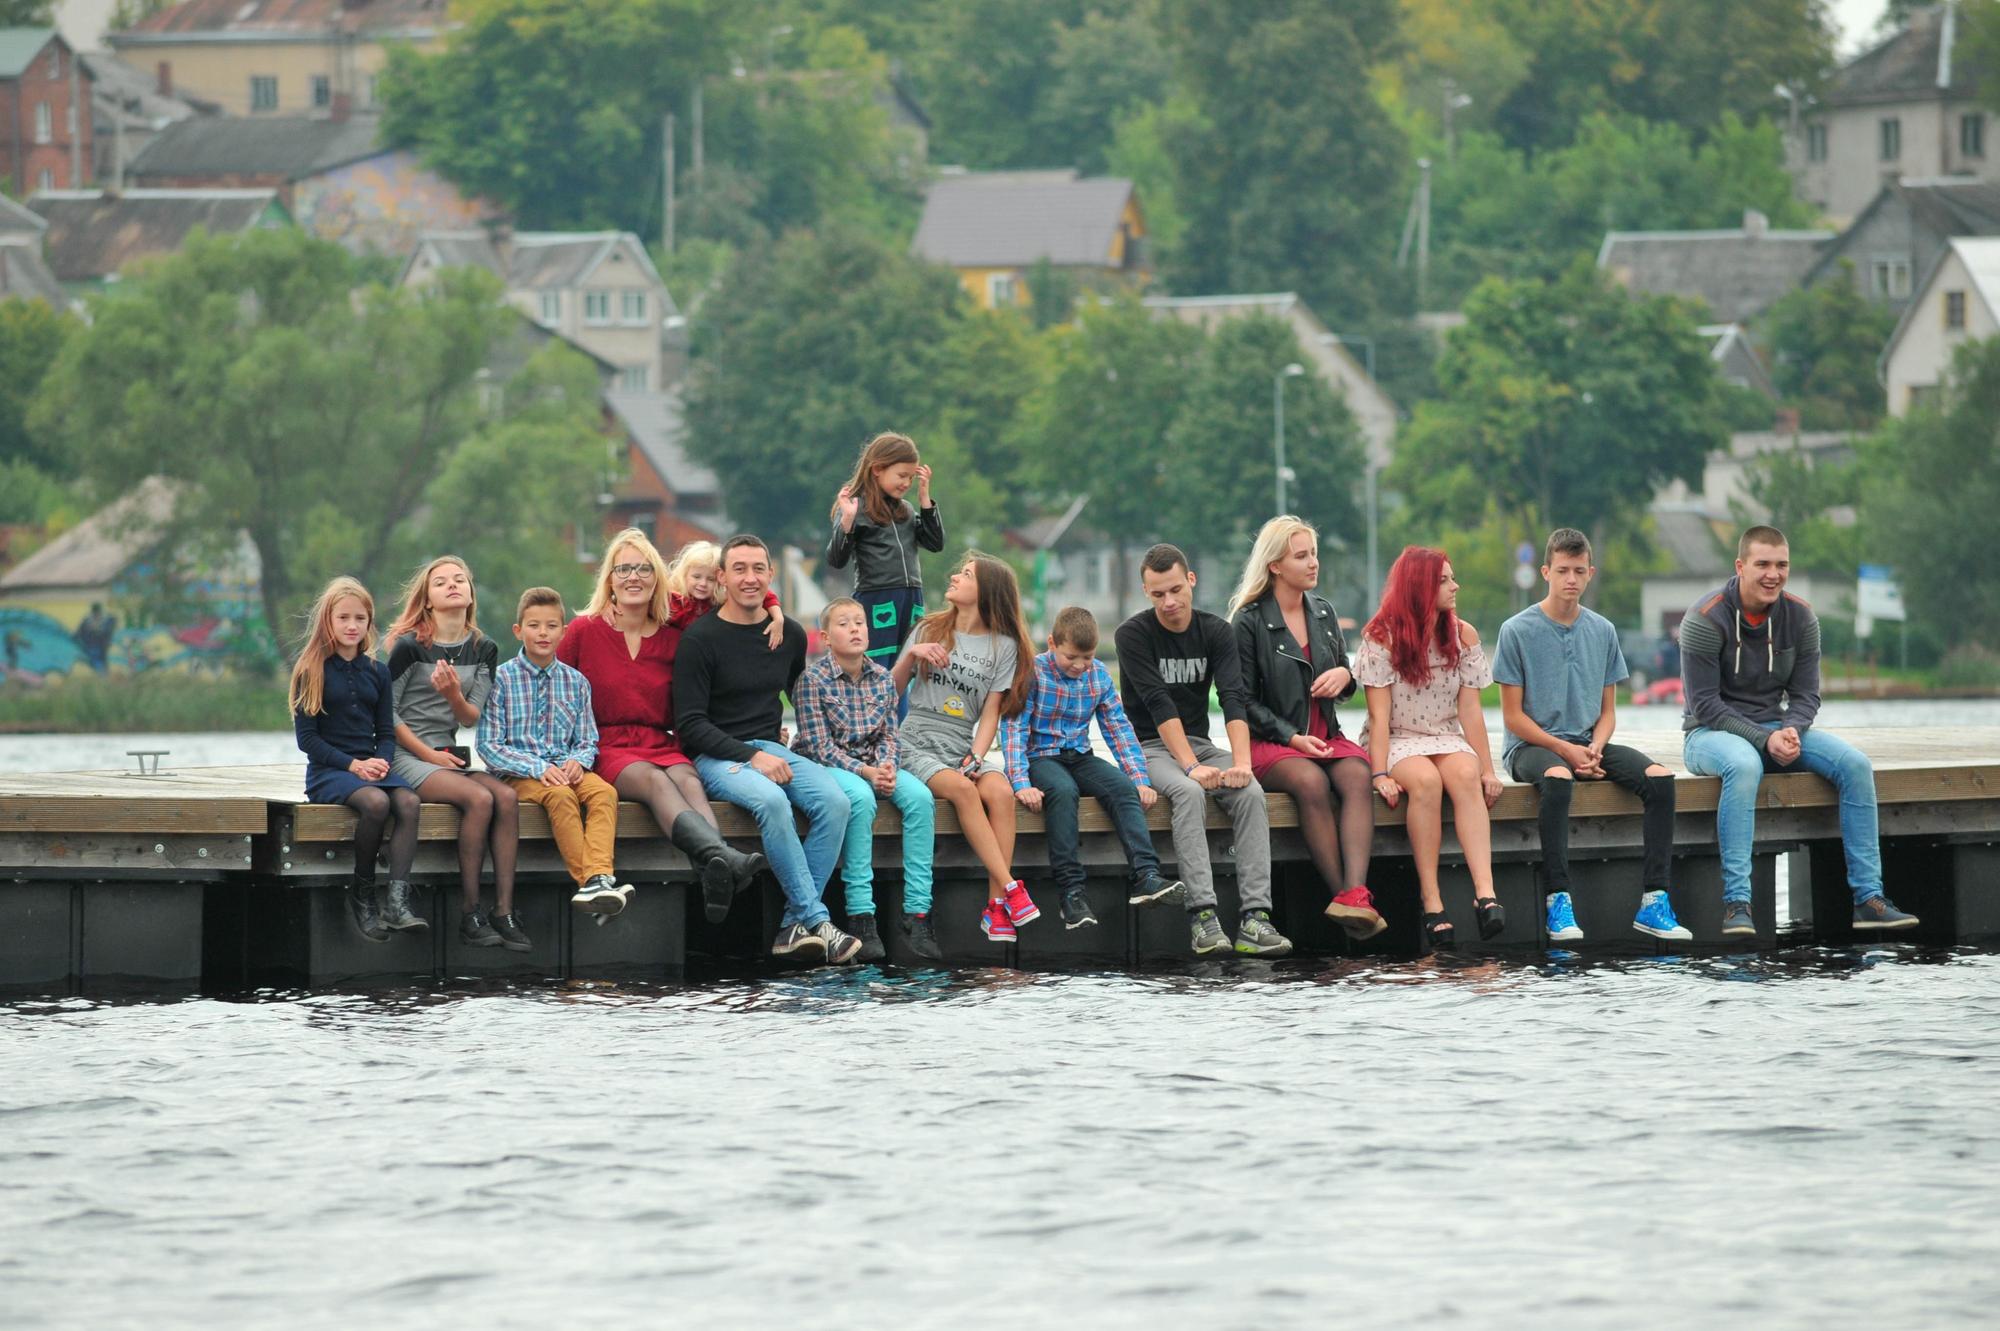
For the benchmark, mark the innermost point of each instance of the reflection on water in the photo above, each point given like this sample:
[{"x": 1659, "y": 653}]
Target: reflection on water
[{"x": 1789, "y": 1140}]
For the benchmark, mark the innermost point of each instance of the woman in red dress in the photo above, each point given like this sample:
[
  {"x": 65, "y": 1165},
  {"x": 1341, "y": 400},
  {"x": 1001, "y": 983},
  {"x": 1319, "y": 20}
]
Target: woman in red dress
[{"x": 624, "y": 645}]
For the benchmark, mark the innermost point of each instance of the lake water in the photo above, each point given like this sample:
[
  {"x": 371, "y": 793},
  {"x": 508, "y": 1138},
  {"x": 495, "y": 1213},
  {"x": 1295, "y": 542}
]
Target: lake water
[{"x": 1801, "y": 1140}]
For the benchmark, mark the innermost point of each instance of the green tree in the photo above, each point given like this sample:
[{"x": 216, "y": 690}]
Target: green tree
[
  {"x": 31, "y": 336},
  {"x": 553, "y": 108},
  {"x": 1292, "y": 179},
  {"x": 1932, "y": 487},
  {"x": 1562, "y": 403},
  {"x": 1825, "y": 342},
  {"x": 813, "y": 344},
  {"x": 983, "y": 71},
  {"x": 245, "y": 370},
  {"x": 1105, "y": 68}
]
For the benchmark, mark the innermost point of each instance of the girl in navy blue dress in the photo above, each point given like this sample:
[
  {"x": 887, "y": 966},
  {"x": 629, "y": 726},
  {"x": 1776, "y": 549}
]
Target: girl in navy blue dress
[{"x": 344, "y": 717}]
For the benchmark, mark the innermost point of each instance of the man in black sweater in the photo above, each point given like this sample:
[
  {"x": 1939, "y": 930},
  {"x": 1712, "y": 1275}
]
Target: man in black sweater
[
  {"x": 1169, "y": 657},
  {"x": 728, "y": 715}
]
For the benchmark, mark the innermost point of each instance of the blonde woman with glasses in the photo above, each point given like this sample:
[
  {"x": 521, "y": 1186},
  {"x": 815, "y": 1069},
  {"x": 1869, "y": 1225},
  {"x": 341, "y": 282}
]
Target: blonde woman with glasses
[{"x": 624, "y": 645}]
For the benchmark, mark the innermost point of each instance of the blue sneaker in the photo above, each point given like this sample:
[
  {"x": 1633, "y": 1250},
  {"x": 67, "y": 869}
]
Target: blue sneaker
[
  {"x": 1736, "y": 921},
  {"x": 1562, "y": 919},
  {"x": 1878, "y": 913},
  {"x": 1656, "y": 917}
]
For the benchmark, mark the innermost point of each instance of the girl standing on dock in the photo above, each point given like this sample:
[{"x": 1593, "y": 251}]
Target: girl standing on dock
[
  {"x": 969, "y": 665},
  {"x": 876, "y": 528},
  {"x": 1295, "y": 670},
  {"x": 1426, "y": 734},
  {"x": 344, "y": 717},
  {"x": 692, "y": 590},
  {"x": 624, "y": 643},
  {"x": 442, "y": 667}
]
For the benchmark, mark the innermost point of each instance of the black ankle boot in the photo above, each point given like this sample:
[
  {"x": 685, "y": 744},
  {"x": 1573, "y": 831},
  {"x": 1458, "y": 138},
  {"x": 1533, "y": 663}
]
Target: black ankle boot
[
  {"x": 396, "y": 912},
  {"x": 361, "y": 904},
  {"x": 744, "y": 865},
  {"x": 922, "y": 941},
  {"x": 708, "y": 852},
  {"x": 863, "y": 927}
]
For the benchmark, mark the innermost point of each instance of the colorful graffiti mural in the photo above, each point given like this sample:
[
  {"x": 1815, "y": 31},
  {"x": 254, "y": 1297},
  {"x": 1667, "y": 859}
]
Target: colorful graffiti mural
[
  {"x": 380, "y": 204},
  {"x": 35, "y": 646}
]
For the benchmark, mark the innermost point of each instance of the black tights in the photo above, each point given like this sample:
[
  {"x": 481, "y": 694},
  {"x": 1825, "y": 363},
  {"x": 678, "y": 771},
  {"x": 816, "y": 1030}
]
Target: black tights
[
  {"x": 1336, "y": 814},
  {"x": 489, "y": 818},
  {"x": 373, "y": 807},
  {"x": 668, "y": 791}
]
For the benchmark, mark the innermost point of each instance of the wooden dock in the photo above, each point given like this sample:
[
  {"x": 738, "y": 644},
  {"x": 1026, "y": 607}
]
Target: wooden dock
[{"x": 225, "y": 876}]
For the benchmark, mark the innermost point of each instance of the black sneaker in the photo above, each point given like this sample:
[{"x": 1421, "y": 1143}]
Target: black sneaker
[
  {"x": 841, "y": 948},
  {"x": 917, "y": 928},
  {"x": 475, "y": 931},
  {"x": 601, "y": 896},
  {"x": 794, "y": 939},
  {"x": 367, "y": 915},
  {"x": 1076, "y": 911},
  {"x": 863, "y": 928},
  {"x": 512, "y": 936},
  {"x": 1153, "y": 891}
]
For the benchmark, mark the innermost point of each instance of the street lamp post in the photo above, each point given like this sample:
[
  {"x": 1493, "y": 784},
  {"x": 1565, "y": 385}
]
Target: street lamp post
[
  {"x": 1292, "y": 371},
  {"x": 1373, "y": 464}
]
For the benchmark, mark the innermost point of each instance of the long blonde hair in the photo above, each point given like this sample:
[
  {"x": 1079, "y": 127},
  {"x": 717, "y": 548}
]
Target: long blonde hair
[
  {"x": 1000, "y": 609},
  {"x": 694, "y": 554},
  {"x": 1274, "y": 538},
  {"x": 885, "y": 450},
  {"x": 308, "y": 686},
  {"x": 601, "y": 596},
  {"x": 416, "y": 617}
]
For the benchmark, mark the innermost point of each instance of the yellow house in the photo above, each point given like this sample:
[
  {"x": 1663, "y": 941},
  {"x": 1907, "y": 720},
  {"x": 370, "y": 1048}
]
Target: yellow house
[
  {"x": 278, "y": 56},
  {"x": 993, "y": 226}
]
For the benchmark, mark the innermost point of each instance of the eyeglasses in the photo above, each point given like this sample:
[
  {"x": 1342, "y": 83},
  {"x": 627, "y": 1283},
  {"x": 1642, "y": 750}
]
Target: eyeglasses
[{"x": 631, "y": 570}]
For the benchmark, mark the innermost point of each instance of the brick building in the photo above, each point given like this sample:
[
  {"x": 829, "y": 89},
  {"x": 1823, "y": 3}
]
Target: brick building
[{"x": 45, "y": 123}]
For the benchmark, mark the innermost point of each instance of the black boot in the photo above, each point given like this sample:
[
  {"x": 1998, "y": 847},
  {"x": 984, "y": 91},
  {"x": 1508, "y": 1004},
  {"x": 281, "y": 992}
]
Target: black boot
[
  {"x": 709, "y": 853},
  {"x": 396, "y": 912},
  {"x": 367, "y": 914},
  {"x": 922, "y": 941},
  {"x": 745, "y": 865},
  {"x": 863, "y": 927}
]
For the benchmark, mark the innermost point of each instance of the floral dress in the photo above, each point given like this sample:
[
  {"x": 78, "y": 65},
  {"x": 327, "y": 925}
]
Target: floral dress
[{"x": 1422, "y": 720}]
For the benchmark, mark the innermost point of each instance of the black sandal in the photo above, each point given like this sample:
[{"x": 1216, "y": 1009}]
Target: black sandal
[
  {"x": 1492, "y": 917},
  {"x": 1437, "y": 929}
]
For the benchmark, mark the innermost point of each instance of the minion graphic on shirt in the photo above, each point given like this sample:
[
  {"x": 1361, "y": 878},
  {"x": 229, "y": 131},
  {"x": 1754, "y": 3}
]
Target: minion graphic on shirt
[{"x": 954, "y": 706}]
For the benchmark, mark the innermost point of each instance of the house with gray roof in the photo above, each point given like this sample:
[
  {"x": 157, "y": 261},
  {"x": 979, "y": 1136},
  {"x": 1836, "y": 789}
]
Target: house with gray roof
[
  {"x": 94, "y": 235},
  {"x": 599, "y": 289},
  {"x": 1906, "y": 107},
  {"x": 1957, "y": 302},
  {"x": 1903, "y": 232},
  {"x": 665, "y": 492},
  {"x": 1737, "y": 273},
  {"x": 127, "y": 108},
  {"x": 993, "y": 226},
  {"x": 334, "y": 174}
]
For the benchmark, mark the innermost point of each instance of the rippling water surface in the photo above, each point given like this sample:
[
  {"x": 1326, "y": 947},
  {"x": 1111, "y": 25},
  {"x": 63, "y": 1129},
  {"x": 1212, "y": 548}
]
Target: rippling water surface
[{"x": 1811, "y": 1139}]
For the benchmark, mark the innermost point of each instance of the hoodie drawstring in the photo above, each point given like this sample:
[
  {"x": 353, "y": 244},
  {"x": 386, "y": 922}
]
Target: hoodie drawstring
[{"x": 1770, "y": 647}]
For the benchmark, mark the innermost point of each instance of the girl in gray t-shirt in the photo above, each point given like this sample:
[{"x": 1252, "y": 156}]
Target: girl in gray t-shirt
[{"x": 966, "y": 666}]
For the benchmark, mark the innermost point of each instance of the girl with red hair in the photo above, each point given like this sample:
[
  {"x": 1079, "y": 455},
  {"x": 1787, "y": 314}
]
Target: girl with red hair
[{"x": 1426, "y": 735}]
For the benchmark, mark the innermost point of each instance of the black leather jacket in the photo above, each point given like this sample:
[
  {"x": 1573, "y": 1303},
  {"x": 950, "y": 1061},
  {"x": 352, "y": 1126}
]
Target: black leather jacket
[{"x": 1278, "y": 676}]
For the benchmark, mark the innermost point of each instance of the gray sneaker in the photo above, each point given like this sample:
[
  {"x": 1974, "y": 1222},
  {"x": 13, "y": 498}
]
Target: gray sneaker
[
  {"x": 1258, "y": 937},
  {"x": 795, "y": 939},
  {"x": 841, "y": 948},
  {"x": 601, "y": 895},
  {"x": 1736, "y": 921},
  {"x": 1205, "y": 932}
]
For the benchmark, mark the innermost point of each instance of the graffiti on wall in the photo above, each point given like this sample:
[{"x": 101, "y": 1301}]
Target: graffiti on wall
[
  {"x": 379, "y": 204},
  {"x": 36, "y": 646}
]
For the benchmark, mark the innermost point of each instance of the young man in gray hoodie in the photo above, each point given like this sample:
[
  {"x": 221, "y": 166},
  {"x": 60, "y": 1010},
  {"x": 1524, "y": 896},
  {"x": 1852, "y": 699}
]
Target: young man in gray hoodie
[{"x": 1750, "y": 674}]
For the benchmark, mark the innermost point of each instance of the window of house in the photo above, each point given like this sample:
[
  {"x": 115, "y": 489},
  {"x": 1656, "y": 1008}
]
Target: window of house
[
  {"x": 1972, "y": 134},
  {"x": 632, "y": 307},
  {"x": 597, "y": 307},
  {"x": 264, "y": 92},
  {"x": 1891, "y": 134},
  {"x": 1921, "y": 394},
  {"x": 45, "y": 179},
  {"x": 1889, "y": 279},
  {"x": 1000, "y": 290},
  {"x": 1815, "y": 143},
  {"x": 44, "y": 123},
  {"x": 55, "y": 62},
  {"x": 551, "y": 307},
  {"x": 1954, "y": 310},
  {"x": 634, "y": 378},
  {"x": 322, "y": 90}
]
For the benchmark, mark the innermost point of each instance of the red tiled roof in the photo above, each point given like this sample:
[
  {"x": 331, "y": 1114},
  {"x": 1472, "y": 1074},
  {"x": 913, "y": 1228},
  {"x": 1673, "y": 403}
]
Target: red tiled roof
[{"x": 305, "y": 16}]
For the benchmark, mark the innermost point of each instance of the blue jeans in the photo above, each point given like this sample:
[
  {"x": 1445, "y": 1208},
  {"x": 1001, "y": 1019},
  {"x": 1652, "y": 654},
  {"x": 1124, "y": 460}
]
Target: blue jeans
[
  {"x": 857, "y": 854},
  {"x": 801, "y": 868},
  {"x": 1061, "y": 778},
  {"x": 1742, "y": 766}
]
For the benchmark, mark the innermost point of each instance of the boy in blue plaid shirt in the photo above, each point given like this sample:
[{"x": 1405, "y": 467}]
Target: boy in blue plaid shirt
[
  {"x": 845, "y": 705},
  {"x": 538, "y": 734},
  {"x": 1050, "y": 764}
]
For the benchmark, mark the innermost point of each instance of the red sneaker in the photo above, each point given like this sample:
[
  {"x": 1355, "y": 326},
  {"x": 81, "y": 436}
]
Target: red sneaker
[
  {"x": 993, "y": 922},
  {"x": 1019, "y": 908},
  {"x": 1355, "y": 912}
]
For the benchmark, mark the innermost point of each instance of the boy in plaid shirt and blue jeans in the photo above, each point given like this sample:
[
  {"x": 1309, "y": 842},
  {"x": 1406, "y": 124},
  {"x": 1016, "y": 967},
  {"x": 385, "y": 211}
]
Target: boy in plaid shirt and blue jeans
[
  {"x": 845, "y": 705},
  {"x": 538, "y": 734},
  {"x": 1050, "y": 764}
]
